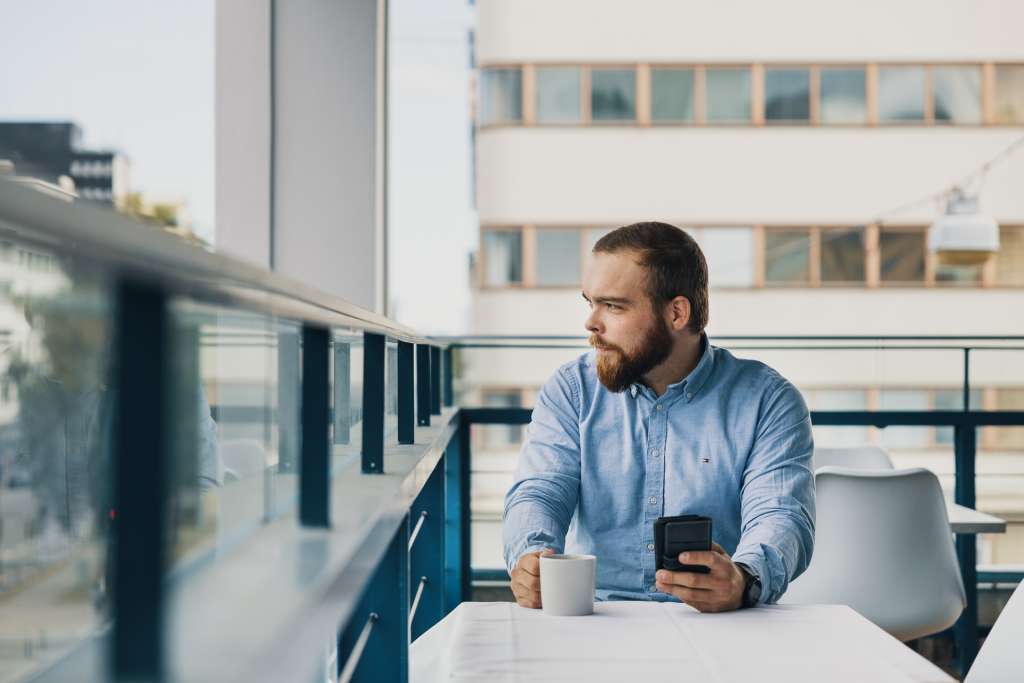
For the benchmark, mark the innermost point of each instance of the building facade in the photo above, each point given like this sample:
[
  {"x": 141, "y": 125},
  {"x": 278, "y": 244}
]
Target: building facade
[{"x": 806, "y": 146}]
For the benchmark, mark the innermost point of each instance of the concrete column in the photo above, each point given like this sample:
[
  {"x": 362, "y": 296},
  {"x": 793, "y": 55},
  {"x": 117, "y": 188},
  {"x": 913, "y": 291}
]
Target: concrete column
[{"x": 301, "y": 96}]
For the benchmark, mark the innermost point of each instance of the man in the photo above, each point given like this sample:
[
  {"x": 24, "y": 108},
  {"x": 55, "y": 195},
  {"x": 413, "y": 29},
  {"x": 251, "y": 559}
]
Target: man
[{"x": 658, "y": 422}]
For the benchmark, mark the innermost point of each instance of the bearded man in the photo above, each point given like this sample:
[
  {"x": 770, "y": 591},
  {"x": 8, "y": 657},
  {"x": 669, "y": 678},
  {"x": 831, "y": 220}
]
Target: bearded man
[{"x": 658, "y": 422}]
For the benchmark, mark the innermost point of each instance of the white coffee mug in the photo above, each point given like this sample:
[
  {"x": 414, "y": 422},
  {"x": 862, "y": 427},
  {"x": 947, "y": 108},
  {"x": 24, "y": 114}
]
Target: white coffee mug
[{"x": 567, "y": 584}]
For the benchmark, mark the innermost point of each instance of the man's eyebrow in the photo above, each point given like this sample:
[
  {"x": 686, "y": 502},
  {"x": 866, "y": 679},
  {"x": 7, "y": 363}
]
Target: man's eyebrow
[{"x": 611, "y": 300}]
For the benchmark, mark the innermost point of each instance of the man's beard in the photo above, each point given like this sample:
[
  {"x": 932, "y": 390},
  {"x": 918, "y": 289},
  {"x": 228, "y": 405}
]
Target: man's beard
[{"x": 617, "y": 370}]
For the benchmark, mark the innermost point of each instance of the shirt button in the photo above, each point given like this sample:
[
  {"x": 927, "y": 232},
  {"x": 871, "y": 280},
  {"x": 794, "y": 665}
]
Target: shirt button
[
  {"x": 650, "y": 546},
  {"x": 652, "y": 500},
  {"x": 689, "y": 396},
  {"x": 661, "y": 407}
]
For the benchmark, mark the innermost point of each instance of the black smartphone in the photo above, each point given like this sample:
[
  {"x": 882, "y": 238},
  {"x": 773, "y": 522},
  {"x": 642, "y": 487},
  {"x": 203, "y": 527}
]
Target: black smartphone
[{"x": 674, "y": 535}]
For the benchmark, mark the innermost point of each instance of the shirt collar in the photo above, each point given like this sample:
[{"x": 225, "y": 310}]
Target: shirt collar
[{"x": 693, "y": 382}]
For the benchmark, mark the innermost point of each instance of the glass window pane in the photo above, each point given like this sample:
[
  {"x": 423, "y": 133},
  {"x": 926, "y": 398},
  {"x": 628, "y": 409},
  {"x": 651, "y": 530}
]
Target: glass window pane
[
  {"x": 501, "y": 96},
  {"x": 842, "y": 255},
  {"x": 964, "y": 276},
  {"x": 56, "y": 453},
  {"x": 728, "y": 95},
  {"x": 787, "y": 94},
  {"x": 1009, "y": 93},
  {"x": 901, "y": 93},
  {"x": 503, "y": 257},
  {"x": 558, "y": 95},
  {"x": 558, "y": 257},
  {"x": 957, "y": 93},
  {"x": 730, "y": 255},
  {"x": 843, "y": 97},
  {"x": 672, "y": 94},
  {"x": 902, "y": 256},
  {"x": 594, "y": 234},
  {"x": 613, "y": 94},
  {"x": 1010, "y": 257},
  {"x": 787, "y": 256},
  {"x": 904, "y": 399},
  {"x": 347, "y": 396}
]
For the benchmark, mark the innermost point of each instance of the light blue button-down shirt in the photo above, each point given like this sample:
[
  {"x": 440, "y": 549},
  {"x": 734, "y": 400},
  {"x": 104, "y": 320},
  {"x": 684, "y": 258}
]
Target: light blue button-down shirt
[{"x": 731, "y": 441}]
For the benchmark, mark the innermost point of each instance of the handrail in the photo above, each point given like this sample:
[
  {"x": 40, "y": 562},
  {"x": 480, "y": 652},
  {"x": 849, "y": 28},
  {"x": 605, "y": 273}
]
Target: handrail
[{"x": 129, "y": 246}]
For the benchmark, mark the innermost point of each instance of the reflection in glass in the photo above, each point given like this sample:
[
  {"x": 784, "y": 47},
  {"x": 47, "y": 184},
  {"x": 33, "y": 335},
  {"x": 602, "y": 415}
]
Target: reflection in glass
[
  {"x": 1009, "y": 94},
  {"x": 730, "y": 255},
  {"x": 842, "y": 255},
  {"x": 902, "y": 256},
  {"x": 787, "y": 256},
  {"x": 391, "y": 393},
  {"x": 1010, "y": 257},
  {"x": 503, "y": 257},
  {"x": 728, "y": 95},
  {"x": 672, "y": 95},
  {"x": 347, "y": 395},
  {"x": 787, "y": 94},
  {"x": 56, "y": 410},
  {"x": 965, "y": 276},
  {"x": 957, "y": 93},
  {"x": 558, "y": 257},
  {"x": 501, "y": 96},
  {"x": 843, "y": 98},
  {"x": 613, "y": 94},
  {"x": 901, "y": 93},
  {"x": 558, "y": 95}
]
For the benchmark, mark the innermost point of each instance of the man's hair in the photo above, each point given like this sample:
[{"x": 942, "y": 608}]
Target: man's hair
[{"x": 674, "y": 262}]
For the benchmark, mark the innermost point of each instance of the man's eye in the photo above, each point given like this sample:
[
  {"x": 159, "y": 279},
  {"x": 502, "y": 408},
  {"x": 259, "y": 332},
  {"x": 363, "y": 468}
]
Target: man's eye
[{"x": 614, "y": 307}]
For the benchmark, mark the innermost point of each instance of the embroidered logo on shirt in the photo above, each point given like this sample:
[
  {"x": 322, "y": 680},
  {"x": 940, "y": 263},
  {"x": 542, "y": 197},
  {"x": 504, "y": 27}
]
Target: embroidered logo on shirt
[{"x": 705, "y": 460}]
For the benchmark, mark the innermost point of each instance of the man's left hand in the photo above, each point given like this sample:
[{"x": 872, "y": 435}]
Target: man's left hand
[{"x": 719, "y": 591}]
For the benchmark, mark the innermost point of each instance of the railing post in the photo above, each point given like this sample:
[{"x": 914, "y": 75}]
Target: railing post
[
  {"x": 435, "y": 380},
  {"x": 314, "y": 467},
  {"x": 427, "y": 554},
  {"x": 449, "y": 370},
  {"x": 966, "y": 628},
  {"x": 406, "y": 397},
  {"x": 140, "y": 471},
  {"x": 423, "y": 385},
  {"x": 373, "y": 403}
]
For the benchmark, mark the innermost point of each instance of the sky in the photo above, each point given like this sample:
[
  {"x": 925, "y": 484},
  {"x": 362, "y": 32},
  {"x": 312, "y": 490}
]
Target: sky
[{"x": 138, "y": 78}]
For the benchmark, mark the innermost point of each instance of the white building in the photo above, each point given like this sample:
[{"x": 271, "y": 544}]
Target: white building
[{"x": 795, "y": 140}]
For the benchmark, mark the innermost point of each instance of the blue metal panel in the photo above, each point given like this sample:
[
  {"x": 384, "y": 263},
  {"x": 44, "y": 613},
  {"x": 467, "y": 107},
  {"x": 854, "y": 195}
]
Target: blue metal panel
[
  {"x": 373, "y": 403},
  {"x": 314, "y": 484},
  {"x": 456, "y": 528},
  {"x": 449, "y": 371},
  {"x": 427, "y": 552},
  {"x": 385, "y": 656},
  {"x": 140, "y": 467}
]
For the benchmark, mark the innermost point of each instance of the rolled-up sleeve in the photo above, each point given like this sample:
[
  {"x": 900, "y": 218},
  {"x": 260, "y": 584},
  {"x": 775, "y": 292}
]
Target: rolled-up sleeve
[
  {"x": 777, "y": 506},
  {"x": 541, "y": 502}
]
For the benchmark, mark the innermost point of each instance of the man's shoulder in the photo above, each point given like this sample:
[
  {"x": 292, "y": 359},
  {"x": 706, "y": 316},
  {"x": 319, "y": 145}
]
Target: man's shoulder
[{"x": 748, "y": 373}]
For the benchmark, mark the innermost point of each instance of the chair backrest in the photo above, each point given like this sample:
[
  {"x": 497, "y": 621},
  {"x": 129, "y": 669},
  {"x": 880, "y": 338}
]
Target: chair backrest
[
  {"x": 857, "y": 457},
  {"x": 883, "y": 546},
  {"x": 1001, "y": 659}
]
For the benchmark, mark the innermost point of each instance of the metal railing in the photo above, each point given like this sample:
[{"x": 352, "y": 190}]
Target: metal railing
[{"x": 336, "y": 568}]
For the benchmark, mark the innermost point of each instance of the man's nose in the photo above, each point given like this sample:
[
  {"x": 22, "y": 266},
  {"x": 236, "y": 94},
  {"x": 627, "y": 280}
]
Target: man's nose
[{"x": 593, "y": 323}]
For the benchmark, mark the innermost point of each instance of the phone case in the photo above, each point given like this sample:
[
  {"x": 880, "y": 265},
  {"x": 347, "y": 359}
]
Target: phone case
[{"x": 673, "y": 535}]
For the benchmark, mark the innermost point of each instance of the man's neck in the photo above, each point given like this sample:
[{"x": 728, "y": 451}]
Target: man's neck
[{"x": 680, "y": 362}]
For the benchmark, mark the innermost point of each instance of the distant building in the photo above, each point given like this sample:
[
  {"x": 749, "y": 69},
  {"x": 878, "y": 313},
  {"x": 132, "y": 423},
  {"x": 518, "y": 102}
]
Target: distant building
[{"x": 50, "y": 151}]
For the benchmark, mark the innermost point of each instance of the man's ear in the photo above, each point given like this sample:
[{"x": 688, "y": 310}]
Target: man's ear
[{"x": 679, "y": 313}]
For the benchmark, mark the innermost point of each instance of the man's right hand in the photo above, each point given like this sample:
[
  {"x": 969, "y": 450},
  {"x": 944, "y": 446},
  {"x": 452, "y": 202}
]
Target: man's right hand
[{"x": 526, "y": 578}]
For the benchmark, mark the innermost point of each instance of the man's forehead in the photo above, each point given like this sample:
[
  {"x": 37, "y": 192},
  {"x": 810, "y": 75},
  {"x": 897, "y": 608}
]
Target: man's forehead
[{"x": 619, "y": 272}]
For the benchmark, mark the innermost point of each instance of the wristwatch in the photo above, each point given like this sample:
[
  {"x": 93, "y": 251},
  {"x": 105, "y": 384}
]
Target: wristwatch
[{"x": 752, "y": 587}]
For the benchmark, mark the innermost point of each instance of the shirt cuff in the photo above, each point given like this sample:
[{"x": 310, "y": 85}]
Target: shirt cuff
[{"x": 755, "y": 562}]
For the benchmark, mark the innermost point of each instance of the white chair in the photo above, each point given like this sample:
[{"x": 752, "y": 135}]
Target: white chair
[
  {"x": 883, "y": 546},
  {"x": 857, "y": 457},
  {"x": 1001, "y": 658}
]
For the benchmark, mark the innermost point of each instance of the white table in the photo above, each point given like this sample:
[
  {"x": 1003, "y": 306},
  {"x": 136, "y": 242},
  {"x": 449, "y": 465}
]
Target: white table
[
  {"x": 964, "y": 520},
  {"x": 671, "y": 642}
]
